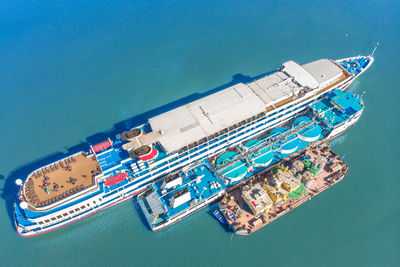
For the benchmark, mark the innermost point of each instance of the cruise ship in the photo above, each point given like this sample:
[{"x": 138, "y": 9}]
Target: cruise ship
[
  {"x": 182, "y": 193},
  {"x": 121, "y": 167}
]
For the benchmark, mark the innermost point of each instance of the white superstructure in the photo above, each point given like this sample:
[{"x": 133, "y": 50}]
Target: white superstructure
[{"x": 212, "y": 114}]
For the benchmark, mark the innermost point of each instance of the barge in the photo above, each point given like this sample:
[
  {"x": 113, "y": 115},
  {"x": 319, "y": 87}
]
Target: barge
[{"x": 268, "y": 196}]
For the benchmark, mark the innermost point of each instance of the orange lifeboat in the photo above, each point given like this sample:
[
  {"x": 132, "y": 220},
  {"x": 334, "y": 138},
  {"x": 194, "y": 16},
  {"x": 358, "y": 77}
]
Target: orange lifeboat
[
  {"x": 116, "y": 179},
  {"x": 104, "y": 145}
]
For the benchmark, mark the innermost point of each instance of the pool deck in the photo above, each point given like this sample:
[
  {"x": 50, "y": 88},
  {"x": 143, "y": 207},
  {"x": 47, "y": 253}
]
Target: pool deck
[{"x": 246, "y": 223}]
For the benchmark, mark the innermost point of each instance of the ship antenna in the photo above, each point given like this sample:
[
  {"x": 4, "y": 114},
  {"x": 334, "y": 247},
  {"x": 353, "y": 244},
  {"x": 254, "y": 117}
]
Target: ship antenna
[{"x": 373, "y": 51}]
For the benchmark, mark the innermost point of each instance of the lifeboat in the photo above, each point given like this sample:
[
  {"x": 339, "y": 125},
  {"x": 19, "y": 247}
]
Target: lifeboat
[
  {"x": 116, "y": 179},
  {"x": 104, "y": 145}
]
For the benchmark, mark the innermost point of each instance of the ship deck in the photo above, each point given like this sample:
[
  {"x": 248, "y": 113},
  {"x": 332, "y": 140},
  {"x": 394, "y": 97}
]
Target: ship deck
[
  {"x": 246, "y": 223},
  {"x": 338, "y": 108},
  {"x": 197, "y": 181},
  {"x": 61, "y": 179},
  {"x": 355, "y": 65}
]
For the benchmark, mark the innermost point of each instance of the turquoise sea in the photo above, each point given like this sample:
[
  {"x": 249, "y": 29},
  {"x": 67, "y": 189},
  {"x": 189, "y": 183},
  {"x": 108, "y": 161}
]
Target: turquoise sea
[{"x": 76, "y": 71}]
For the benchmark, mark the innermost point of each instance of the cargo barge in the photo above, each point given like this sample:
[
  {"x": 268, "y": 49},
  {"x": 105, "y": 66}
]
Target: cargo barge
[{"x": 267, "y": 196}]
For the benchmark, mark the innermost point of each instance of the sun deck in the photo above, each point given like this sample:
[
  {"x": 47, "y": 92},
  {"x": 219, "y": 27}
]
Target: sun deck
[{"x": 61, "y": 179}]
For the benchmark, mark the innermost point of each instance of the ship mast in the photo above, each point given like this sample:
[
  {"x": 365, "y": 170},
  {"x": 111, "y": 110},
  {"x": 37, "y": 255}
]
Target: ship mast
[{"x": 373, "y": 51}]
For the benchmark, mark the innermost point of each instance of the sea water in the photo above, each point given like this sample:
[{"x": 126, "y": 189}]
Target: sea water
[{"x": 73, "y": 72}]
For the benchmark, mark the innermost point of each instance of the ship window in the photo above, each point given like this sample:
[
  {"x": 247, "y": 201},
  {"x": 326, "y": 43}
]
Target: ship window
[
  {"x": 77, "y": 209},
  {"x": 65, "y": 214},
  {"x": 47, "y": 221},
  {"x": 94, "y": 201},
  {"x": 53, "y": 219},
  {"x": 59, "y": 216},
  {"x": 83, "y": 207},
  {"x": 71, "y": 212},
  {"x": 40, "y": 222},
  {"x": 99, "y": 199},
  {"x": 88, "y": 204}
]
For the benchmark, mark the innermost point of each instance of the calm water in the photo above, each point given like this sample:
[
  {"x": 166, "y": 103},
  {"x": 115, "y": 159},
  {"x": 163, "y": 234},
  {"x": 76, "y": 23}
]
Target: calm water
[{"x": 70, "y": 71}]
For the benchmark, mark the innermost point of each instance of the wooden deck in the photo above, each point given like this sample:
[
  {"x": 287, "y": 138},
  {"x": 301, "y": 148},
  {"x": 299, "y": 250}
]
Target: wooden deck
[
  {"x": 246, "y": 223},
  {"x": 61, "y": 179}
]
